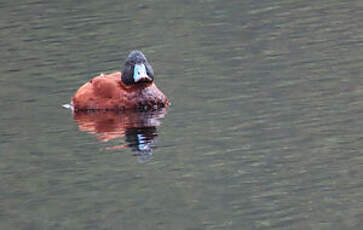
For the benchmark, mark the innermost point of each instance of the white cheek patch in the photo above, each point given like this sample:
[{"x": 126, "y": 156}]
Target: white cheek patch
[{"x": 139, "y": 72}]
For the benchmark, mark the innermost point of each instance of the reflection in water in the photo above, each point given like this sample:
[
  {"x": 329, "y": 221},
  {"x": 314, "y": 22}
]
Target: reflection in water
[{"x": 138, "y": 128}]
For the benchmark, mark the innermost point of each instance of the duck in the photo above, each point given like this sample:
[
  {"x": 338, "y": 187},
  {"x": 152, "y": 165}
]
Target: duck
[{"x": 131, "y": 89}]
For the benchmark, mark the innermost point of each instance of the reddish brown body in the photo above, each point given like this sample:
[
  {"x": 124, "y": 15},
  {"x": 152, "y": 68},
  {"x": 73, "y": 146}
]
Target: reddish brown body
[{"x": 108, "y": 92}]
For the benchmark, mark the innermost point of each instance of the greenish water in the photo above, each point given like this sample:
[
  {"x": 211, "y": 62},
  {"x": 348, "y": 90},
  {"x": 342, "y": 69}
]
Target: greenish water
[{"x": 264, "y": 131}]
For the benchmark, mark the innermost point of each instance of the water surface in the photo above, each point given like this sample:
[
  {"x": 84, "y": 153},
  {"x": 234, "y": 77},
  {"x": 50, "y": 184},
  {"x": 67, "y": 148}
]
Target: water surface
[{"x": 264, "y": 131}]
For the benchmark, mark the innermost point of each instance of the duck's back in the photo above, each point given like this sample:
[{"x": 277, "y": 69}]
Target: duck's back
[{"x": 107, "y": 92}]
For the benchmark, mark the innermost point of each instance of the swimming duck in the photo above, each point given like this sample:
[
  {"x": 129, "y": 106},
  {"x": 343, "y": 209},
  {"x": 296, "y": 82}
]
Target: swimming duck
[{"x": 131, "y": 89}]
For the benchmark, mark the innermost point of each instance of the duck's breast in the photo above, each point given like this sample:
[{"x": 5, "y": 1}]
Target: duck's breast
[{"x": 108, "y": 92}]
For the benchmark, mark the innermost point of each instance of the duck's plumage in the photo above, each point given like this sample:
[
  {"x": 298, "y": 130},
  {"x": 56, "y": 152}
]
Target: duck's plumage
[{"x": 122, "y": 91}]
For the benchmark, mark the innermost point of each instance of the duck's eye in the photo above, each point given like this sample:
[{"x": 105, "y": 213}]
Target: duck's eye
[{"x": 138, "y": 72}]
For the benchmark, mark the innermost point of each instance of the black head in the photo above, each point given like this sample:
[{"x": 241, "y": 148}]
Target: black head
[{"x": 137, "y": 69}]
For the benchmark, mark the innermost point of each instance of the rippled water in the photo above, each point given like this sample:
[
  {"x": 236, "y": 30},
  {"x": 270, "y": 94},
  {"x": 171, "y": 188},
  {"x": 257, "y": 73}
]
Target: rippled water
[{"x": 264, "y": 131}]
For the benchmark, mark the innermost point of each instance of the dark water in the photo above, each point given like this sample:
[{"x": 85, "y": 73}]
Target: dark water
[{"x": 265, "y": 130}]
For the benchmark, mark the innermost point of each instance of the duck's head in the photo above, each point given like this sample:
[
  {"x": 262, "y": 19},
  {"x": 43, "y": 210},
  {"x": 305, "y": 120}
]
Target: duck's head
[{"x": 137, "y": 69}]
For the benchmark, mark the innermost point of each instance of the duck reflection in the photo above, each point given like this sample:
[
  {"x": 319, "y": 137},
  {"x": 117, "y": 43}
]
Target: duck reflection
[{"x": 138, "y": 128}]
